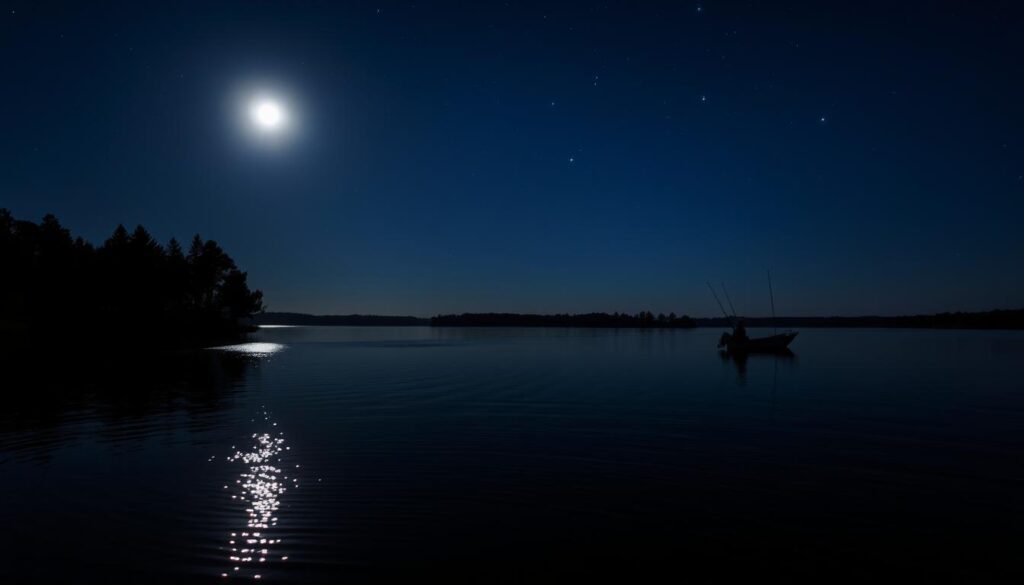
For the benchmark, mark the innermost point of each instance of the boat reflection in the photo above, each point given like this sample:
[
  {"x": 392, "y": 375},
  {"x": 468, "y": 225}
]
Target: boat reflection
[{"x": 741, "y": 359}]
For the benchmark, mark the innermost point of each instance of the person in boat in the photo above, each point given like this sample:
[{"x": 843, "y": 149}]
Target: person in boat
[{"x": 739, "y": 333}]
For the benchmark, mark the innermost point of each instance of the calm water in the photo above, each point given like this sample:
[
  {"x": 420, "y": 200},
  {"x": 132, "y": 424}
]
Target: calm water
[{"x": 519, "y": 455}]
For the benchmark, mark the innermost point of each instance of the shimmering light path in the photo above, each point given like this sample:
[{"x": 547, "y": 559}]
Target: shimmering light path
[
  {"x": 258, "y": 490},
  {"x": 503, "y": 455},
  {"x": 252, "y": 349}
]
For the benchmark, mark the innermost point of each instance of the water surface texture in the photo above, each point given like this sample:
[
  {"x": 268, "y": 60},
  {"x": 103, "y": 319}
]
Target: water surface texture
[{"x": 323, "y": 455}]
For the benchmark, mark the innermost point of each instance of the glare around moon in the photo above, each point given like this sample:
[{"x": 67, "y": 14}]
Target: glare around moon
[{"x": 267, "y": 114}]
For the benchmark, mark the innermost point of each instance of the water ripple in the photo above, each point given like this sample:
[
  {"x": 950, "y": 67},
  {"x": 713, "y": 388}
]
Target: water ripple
[
  {"x": 258, "y": 489},
  {"x": 255, "y": 349}
]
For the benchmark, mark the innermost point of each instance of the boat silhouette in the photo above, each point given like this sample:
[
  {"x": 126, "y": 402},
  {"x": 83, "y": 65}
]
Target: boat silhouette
[
  {"x": 737, "y": 342},
  {"x": 733, "y": 343}
]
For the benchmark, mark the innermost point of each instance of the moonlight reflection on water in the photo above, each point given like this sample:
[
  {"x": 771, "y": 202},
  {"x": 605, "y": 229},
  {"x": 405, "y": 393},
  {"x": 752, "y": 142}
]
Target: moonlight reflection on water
[
  {"x": 565, "y": 454},
  {"x": 256, "y": 349},
  {"x": 259, "y": 488}
]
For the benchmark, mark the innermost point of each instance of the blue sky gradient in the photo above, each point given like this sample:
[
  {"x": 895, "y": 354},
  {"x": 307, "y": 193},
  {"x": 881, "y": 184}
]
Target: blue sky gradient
[{"x": 525, "y": 157}]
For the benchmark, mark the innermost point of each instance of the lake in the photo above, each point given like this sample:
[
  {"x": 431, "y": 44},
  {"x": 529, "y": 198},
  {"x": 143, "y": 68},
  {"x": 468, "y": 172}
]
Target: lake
[{"x": 369, "y": 455}]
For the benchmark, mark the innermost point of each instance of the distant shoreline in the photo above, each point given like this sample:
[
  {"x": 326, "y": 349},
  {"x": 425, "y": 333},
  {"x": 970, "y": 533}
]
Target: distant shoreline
[
  {"x": 990, "y": 320},
  {"x": 283, "y": 318},
  {"x": 993, "y": 320}
]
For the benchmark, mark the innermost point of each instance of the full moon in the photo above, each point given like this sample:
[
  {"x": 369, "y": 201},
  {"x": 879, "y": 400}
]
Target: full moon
[{"x": 267, "y": 114}]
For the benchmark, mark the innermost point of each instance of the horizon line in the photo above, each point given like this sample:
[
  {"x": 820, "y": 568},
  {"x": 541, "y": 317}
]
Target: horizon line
[{"x": 705, "y": 318}]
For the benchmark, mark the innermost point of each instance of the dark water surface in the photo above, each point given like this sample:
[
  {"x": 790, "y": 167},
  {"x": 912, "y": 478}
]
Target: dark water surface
[{"x": 376, "y": 455}]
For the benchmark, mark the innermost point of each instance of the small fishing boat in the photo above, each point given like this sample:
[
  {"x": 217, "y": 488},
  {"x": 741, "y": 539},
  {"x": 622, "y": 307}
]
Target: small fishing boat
[
  {"x": 737, "y": 342},
  {"x": 772, "y": 344}
]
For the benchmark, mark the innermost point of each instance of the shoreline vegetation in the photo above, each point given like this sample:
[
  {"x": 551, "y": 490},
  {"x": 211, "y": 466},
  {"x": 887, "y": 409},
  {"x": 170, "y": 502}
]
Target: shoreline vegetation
[
  {"x": 997, "y": 319},
  {"x": 641, "y": 320},
  {"x": 131, "y": 291},
  {"x": 284, "y": 318}
]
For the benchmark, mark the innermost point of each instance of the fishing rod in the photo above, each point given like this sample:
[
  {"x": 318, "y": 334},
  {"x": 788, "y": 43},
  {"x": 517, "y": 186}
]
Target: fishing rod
[
  {"x": 726, "y": 291},
  {"x": 714, "y": 294},
  {"x": 771, "y": 295}
]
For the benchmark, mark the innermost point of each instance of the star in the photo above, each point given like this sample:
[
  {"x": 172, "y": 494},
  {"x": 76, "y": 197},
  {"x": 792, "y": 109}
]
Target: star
[
  {"x": 703, "y": 98},
  {"x": 822, "y": 119},
  {"x": 572, "y": 160}
]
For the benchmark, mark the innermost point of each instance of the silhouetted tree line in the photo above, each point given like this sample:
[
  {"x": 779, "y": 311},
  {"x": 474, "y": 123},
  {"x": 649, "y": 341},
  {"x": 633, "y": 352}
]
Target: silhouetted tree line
[
  {"x": 643, "y": 319},
  {"x": 998, "y": 319},
  {"x": 129, "y": 287},
  {"x": 270, "y": 318}
]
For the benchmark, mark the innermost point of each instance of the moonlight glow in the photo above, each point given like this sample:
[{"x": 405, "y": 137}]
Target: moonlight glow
[{"x": 267, "y": 114}]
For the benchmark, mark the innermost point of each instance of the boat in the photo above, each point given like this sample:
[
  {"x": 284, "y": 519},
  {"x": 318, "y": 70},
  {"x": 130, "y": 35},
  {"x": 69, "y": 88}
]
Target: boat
[
  {"x": 772, "y": 344},
  {"x": 737, "y": 342}
]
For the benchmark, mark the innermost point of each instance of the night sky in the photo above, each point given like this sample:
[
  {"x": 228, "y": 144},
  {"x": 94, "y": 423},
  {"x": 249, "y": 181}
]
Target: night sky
[{"x": 603, "y": 156}]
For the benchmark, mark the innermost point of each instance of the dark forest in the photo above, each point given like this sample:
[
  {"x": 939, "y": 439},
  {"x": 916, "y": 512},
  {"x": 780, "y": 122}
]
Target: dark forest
[{"x": 130, "y": 288}]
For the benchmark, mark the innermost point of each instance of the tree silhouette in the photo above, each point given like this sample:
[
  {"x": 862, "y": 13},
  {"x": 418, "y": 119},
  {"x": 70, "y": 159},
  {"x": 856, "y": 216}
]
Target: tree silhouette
[
  {"x": 129, "y": 287},
  {"x": 644, "y": 319}
]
